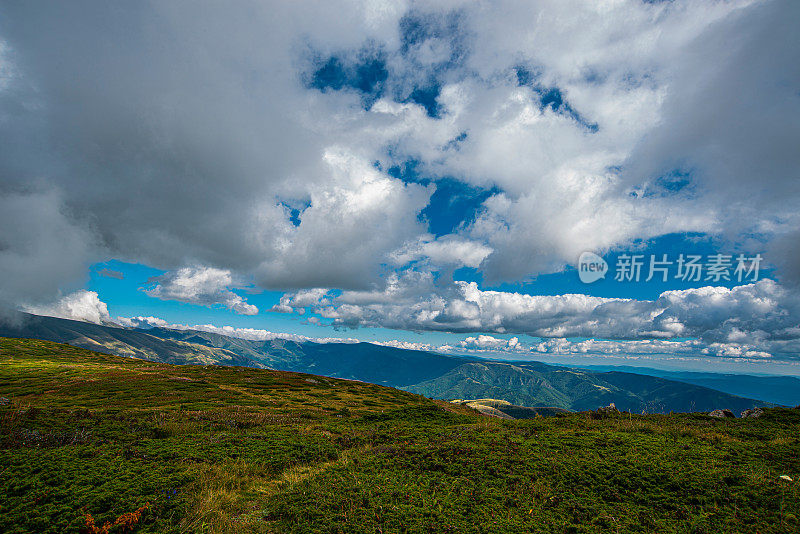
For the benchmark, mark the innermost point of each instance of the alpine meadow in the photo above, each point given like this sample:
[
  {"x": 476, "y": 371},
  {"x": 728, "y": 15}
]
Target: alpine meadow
[{"x": 392, "y": 266}]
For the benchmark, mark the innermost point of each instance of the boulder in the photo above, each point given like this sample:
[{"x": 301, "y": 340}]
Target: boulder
[
  {"x": 753, "y": 412},
  {"x": 4, "y": 401},
  {"x": 606, "y": 411},
  {"x": 721, "y": 413}
]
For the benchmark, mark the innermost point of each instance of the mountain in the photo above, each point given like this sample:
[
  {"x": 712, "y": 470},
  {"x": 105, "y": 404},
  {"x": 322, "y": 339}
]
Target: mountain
[
  {"x": 538, "y": 384},
  {"x": 783, "y": 390},
  {"x": 357, "y": 361},
  {"x": 122, "y": 342},
  {"x": 524, "y": 384}
]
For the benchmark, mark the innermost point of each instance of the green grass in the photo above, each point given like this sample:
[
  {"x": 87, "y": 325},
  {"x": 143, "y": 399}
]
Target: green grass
[{"x": 215, "y": 449}]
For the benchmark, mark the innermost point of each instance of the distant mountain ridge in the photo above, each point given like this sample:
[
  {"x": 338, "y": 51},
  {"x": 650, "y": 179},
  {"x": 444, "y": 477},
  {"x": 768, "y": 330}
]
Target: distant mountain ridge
[
  {"x": 776, "y": 389},
  {"x": 525, "y": 384},
  {"x": 538, "y": 384}
]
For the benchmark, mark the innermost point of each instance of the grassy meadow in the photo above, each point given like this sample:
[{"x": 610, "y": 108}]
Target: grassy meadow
[{"x": 97, "y": 443}]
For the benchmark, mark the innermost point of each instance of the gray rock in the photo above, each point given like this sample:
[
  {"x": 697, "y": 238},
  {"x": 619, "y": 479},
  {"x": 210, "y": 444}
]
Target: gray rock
[
  {"x": 754, "y": 412},
  {"x": 4, "y": 401},
  {"x": 721, "y": 413}
]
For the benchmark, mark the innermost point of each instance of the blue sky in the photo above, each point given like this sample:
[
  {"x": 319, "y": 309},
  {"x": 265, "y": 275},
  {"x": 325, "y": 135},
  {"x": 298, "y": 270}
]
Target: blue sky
[{"x": 423, "y": 175}]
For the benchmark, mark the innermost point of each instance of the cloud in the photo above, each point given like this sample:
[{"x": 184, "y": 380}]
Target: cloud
[
  {"x": 204, "y": 286},
  {"x": 79, "y": 306},
  {"x": 442, "y": 252},
  {"x": 763, "y": 314},
  {"x": 493, "y": 347},
  {"x": 252, "y": 334},
  {"x": 42, "y": 248},
  {"x": 144, "y": 322},
  {"x": 86, "y": 306},
  {"x": 484, "y": 342},
  {"x": 110, "y": 273},
  {"x": 412, "y": 345},
  {"x": 297, "y": 302},
  {"x": 154, "y": 133}
]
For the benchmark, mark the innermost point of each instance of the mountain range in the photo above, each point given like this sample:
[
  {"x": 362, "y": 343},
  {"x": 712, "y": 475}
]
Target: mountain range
[
  {"x": 526, "y": 384},
  {"x": 783, "y": 390}
]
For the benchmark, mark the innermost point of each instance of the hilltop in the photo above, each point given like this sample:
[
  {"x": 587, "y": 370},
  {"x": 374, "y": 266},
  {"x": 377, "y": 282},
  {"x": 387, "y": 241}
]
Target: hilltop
[{"x": 88, "y": 438}]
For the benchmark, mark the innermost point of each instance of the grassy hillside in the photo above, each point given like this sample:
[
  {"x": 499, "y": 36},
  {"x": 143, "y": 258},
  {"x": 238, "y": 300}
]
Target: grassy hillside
[{"x": 87, "y": 437}]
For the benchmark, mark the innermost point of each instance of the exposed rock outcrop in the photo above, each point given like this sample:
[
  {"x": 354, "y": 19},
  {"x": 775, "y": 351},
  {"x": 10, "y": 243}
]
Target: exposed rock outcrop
[
  {"x": 606, "y": 411},
  {"x": 721, "y": 413},
  {"x": 753, "y": 412}
]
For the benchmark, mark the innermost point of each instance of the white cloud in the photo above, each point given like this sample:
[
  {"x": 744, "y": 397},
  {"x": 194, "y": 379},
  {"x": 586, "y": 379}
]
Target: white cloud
[
  {"x": 79, "y": 306},
  {"x": 763, "y": 314},
  {"x": 410, "y": 345},
  {"x": 143, "y": 322},
  {"x": 741, "y": 345},
  {"x": 134, "y": 134},
  {"x": 204, "y": 286},
  {"x": 297, "y": 302},
  {"x": 251, "y": 334},
  {"x": 442, "y": 252},
  {"x": 484, "y": 342}
]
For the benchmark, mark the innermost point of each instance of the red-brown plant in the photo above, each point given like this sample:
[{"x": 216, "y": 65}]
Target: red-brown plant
[{"x": 126, "y": 522}]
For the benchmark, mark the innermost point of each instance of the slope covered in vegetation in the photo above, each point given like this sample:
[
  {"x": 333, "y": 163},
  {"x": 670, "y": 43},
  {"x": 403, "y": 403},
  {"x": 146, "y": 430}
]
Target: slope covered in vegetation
[{"x": 89, "y": 440}]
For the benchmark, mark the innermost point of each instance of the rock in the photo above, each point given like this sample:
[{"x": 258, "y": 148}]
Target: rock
[
  {"x": 4, "y": 401},
  {"x": 721, "y": 413},
  {"x": 786, "y": 478},
  {"x": 753, "y": 412},
  {"x": 607, "y": 411}
]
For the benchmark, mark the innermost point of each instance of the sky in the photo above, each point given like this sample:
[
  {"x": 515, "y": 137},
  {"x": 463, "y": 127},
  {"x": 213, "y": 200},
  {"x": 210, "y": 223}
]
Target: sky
[{"x": 425, "y": 175}]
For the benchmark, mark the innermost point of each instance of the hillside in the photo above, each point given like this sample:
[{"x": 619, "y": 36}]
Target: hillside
[
  {"x": 433, "y": 375},
  {"x": 88, "y": 438},
  {"x": 122, "y": 341},
  {"x": 783, "y": 390},
  {"x": 506, "y": 410},
  {"x": 358, "y": 361},
  {"x": 538, "y": 384}
]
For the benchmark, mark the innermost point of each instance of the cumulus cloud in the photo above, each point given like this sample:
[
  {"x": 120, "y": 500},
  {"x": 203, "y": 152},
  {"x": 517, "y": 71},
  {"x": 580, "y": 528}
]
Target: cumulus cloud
[
  {"x": 484, "y": 342},
  {"x": 79, "y": 306},
  {"x": 762, "y": 314},
  {"x": 261, "y": 141},
  {"x": 204, "y": 286},
  {"x": 443, "y": 252}
]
